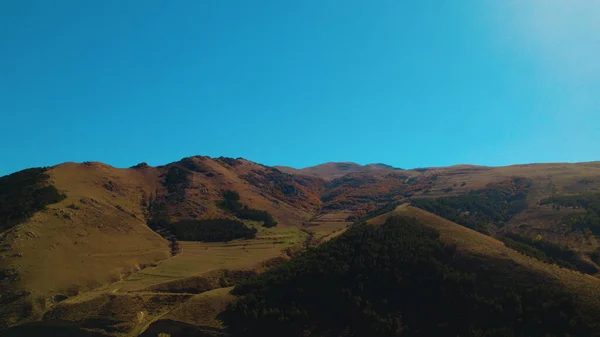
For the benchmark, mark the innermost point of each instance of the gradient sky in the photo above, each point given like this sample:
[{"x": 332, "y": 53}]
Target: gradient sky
[{"x": 297, "y": 83}]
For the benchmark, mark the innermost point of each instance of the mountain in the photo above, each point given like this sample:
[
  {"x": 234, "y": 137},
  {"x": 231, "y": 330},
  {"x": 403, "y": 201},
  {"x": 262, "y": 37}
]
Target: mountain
[
  {"x": 99, "y": 234},
  {"x": 83, "y": 241},
  {"x": 329, "y": 171}
]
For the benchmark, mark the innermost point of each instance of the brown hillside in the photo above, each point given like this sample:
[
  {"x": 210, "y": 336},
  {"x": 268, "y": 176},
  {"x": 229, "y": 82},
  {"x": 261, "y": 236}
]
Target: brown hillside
[
  {"x": 290, "y": 199},
  {"x": 98, "y": 234},
  {"x": 364, "y": 192}
]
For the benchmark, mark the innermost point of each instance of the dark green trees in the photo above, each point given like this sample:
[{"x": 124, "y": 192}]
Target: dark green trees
[
  {"x": 231, "y": 203},
  {"x": 23, "y": 193}
]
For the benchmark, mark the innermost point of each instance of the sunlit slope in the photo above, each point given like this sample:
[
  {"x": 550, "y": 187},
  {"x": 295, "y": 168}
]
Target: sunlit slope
[{"x": 95, "y": 236}]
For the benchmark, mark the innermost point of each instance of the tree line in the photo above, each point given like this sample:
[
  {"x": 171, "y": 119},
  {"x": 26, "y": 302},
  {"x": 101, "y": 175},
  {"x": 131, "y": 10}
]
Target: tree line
[
  {"x": 589, "y": 220},
  {"x": 496, "y": 204}
]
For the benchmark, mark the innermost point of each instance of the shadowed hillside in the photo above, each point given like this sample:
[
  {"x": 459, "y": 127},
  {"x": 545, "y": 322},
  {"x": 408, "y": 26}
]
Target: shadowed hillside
[
  {"x": 409, "y": 279},
  {"x": 586, "y": 287}
]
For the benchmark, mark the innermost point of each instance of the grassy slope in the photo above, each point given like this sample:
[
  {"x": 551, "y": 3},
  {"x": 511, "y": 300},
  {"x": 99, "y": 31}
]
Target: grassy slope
[
  {"x": 469, "y": 242},
  {"x": 66, "y": 249},
  {"x": 153, "y": 297}
]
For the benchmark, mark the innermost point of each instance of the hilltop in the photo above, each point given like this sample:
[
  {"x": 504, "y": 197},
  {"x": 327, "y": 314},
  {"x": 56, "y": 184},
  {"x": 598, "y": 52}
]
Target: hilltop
[{"x": 329, "y": 171}]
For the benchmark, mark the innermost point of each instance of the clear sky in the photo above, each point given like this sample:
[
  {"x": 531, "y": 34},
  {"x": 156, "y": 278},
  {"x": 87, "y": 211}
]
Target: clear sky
[{"x": 297, "y": 83}]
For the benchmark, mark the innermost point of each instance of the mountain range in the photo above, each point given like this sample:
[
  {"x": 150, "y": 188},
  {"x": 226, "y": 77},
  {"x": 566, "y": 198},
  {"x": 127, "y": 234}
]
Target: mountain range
[{"x": 87, "y": 249}]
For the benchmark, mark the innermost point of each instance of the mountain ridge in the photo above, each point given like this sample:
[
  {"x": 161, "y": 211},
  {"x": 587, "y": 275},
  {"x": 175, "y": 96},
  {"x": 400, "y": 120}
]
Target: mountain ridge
[{"x": 103, "y": 221}]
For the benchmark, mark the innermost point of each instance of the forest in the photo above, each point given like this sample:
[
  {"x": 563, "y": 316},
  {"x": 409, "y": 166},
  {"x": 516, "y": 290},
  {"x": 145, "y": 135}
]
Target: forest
[
  {"x": 209, "y": 230},
  {"x": 231, "y": 203},
  {"x": 176, "y": 180},
  {"x": 398, "y": 279},
  {"x": 23, "y": 193},
  {"x": 590, "y": 202},
  {"x": 495, "y": 204},
  {"x": 212, "y": 230}
]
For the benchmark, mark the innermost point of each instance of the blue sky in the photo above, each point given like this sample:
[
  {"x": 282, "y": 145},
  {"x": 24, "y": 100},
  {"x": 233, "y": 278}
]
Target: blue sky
[{"x": 297, "y": 83}]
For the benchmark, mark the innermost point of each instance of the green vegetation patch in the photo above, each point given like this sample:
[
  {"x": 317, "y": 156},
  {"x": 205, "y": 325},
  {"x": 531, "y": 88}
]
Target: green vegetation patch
[
  {"x": 176, "y": 180},
  {"x": 158, "y": 215},
  {"x": 23, "y": 193},
  {"x": 398, "y": 279},
  {"x": 212, "y": 230},
  {"x": 231, "y": 202},
  {"x": 588, "y": 221},
  {"x": 495, "y": 204},
  {"x": 209, "y": 230}
]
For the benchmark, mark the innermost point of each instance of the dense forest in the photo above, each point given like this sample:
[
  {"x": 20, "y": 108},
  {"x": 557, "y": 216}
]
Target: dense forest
[
  {"x": 231, "y": 203},
  {"x": 157, "y": 214},
  {"x": 212, "y": 230},
  {"x": 398, "y": 279},
  {"x": 23, "y": 193},
  {"x": 495, "y": 204}
]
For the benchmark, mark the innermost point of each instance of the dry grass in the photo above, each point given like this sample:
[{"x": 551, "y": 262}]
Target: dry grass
[
  {"x": 547, "y": 178},
  {"x": 82, "y": 242}
]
